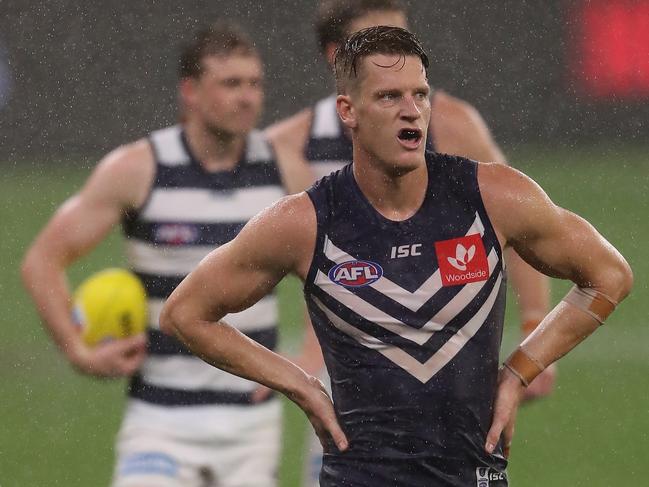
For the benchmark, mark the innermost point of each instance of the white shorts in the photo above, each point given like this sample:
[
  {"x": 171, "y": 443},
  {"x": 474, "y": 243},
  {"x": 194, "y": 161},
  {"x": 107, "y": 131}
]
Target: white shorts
[{"x": 198, "y": 446}]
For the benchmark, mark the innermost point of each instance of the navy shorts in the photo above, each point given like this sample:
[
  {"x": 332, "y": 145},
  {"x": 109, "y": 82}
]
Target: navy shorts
[{"x": 341, "y": 471}]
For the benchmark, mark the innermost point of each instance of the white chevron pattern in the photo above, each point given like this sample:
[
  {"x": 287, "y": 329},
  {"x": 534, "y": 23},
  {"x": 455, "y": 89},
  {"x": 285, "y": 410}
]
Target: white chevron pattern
[
  {"x": 375, "y": 315},
  {"x": 422, "y": 372},
  {"x": 412, "y": 301}
]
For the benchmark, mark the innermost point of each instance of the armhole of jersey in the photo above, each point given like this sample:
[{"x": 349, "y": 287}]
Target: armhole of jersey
[
  {"x": 133, "y": 213},
  {"x": 319, "y": 241},
  {"x": 482, "y": 210}
]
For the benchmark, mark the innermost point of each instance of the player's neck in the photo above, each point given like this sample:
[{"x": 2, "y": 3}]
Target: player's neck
[
  {"x": 215, "y": 150},
  {"x": 396, "y": 197}
]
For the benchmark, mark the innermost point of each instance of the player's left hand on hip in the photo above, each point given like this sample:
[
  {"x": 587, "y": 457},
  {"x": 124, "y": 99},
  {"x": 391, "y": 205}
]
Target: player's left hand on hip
[
  {"x": 508, "y": 397},
  {"x": 542, "y": 385}
]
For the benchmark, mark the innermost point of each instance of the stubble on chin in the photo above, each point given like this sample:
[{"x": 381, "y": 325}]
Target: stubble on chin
[{"x": 398, "y": 170}]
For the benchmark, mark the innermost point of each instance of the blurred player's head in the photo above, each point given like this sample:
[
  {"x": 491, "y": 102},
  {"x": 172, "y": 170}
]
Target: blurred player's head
[
  {"x": 383, "y": 96},
  {"x": 337, "y": 19},
  {"x": 221, "y": 78}
]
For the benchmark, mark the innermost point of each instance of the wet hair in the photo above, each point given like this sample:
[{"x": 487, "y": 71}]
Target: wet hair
[
  {"x": 218, "y": 39},
  {"x": 334, "y": 17},
  {"x": 373, "y": 40}
]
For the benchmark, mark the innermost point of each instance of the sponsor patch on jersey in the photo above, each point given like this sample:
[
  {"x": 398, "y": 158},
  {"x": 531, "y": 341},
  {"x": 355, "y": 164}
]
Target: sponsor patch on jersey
[
  {"x": 489, "y": 477},
  {"x": 176, "y": 233},
  {"x": 462, "y": 260},
  {"x": 356, "y": 273}
]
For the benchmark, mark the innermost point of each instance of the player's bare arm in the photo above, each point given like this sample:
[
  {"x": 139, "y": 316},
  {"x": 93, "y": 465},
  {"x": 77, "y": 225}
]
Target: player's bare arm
[
  {"x": 278, "y": 241},
  {"x": 119, "y": 182},
  {"x": 560, "y": 244},
  {"x": 288, "y": 138}
]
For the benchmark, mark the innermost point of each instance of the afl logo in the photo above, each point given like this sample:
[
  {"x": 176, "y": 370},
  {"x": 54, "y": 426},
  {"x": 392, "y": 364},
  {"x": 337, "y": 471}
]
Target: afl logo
[
  {"x": 356, "y": 273},
  {"x": 176, "y": 233}
]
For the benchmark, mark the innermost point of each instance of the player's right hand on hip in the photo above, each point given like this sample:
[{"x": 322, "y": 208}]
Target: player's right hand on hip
[
  {"x": 320, "y": 410},
  {"x": 508, "y": 397},
  {"x": 115, "y": 358}
]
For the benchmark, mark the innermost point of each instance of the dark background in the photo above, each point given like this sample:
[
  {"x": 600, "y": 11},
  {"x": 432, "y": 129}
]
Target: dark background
[{"x": 88, "y": 76}]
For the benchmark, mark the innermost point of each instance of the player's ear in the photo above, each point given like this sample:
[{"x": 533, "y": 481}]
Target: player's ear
[
  {"x": 346, "y": 111},
  {"x": 187, "y": 92},
  {"x": 330, "y": 52}
]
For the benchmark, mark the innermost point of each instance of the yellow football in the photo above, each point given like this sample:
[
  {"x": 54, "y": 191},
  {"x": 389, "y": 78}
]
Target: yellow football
[{"x": 110, "y": 304}]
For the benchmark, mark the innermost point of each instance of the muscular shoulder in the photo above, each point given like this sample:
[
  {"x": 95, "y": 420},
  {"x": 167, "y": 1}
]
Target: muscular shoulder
[
  {"x": 124, "y": 175},
  {"x": 513, "y": 200},
  {"x": 291, "y": 216},
  {"x": 129, "y": 159},
  {"x": 502, "y": 183},
  {"x": 459, "y": 129},
  {"x": 291, "y": 132},
  {"x": 288, "y": 232}
]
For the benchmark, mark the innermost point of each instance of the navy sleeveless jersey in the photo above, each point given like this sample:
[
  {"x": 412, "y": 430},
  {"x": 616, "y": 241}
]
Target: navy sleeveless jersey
[
  {"x": 329, "y": 148},
  {"x": 409, "y": 315},
  {"x": 188, "y": 213}
]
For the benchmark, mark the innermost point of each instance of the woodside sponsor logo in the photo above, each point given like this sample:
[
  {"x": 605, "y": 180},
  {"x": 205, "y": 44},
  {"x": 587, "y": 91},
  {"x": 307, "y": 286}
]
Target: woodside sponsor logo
[
  {"x": 467, "y": 277},
  {"x": 462, "y": 260}
]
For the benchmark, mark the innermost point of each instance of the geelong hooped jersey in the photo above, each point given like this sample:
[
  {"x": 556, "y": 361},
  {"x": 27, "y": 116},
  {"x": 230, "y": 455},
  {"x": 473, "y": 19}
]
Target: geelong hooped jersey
[
  {"x": 188, "y": 213},
  {"x": 328, "y": 147},
  {"x": 409, "y": 315}
]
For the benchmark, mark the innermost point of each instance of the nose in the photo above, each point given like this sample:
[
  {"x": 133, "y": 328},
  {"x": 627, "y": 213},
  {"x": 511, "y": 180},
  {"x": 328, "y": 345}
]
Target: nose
[
  {"x": 409, "y": 109},
  {"x": 249, "y": 95}
]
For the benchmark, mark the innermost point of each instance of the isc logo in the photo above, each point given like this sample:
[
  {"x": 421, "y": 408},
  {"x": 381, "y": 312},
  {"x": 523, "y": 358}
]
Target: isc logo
[
  {"x": 405, "y": 251},
  {"x": 356, "y": 273},
  {"x": 486, "y": 475}
]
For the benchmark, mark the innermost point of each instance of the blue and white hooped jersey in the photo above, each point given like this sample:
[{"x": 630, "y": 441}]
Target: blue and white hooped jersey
[
  {"x": 188, "y": 213},
  {"x": 409, "y": 315},
  {"x": 328, "y": 147}
]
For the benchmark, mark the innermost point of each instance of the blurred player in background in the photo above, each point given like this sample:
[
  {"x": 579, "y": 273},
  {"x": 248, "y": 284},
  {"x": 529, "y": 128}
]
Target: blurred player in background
[
  {"x": 178, "y": 193},
  {"x": 411, "y": 338},
  {"x": 456, "y": 127}
]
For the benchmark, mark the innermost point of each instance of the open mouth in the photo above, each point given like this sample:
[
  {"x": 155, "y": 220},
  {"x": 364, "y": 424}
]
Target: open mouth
[{"x": 410, "y": 137}]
